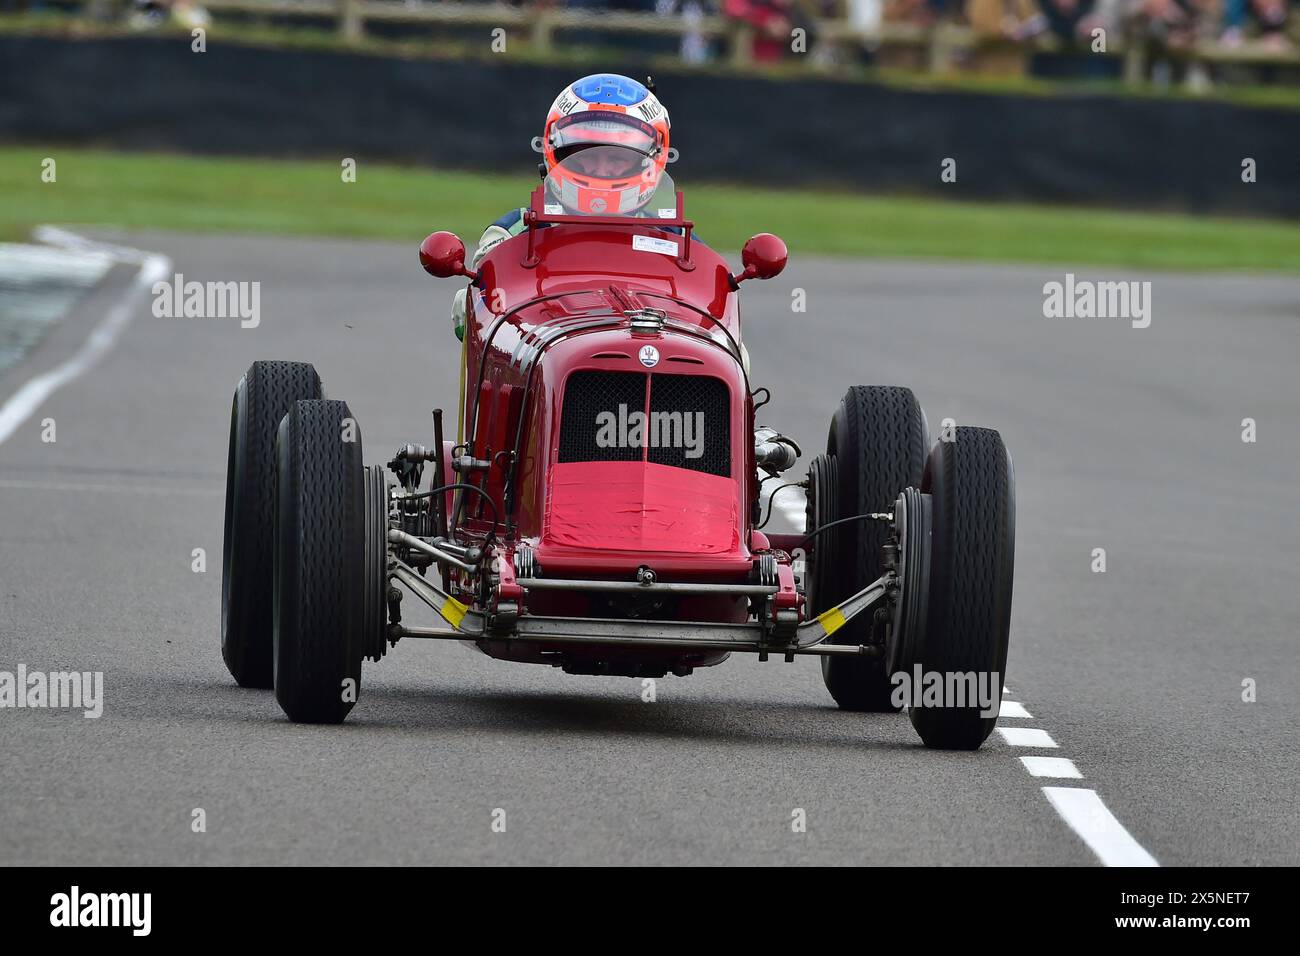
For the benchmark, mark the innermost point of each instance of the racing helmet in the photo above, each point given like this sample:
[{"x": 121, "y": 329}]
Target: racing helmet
[{"x": 606, "y": 144}]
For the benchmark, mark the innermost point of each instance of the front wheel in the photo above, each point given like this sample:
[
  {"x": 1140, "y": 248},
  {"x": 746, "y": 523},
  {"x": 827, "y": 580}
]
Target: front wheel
[
  {"x": 876, "y": 448},
  {"x": 964, "y": 639},
  {"x": 320, "y": 563},
  {"x": 262, "y": 398}
]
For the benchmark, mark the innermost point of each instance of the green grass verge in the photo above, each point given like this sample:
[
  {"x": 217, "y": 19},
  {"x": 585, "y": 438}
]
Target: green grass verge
[{"x": 147, "y": 191}]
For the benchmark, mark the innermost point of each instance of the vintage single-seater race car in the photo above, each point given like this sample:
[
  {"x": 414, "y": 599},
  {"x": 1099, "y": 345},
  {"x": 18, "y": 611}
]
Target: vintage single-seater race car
[{"x": 600, "y": 507}]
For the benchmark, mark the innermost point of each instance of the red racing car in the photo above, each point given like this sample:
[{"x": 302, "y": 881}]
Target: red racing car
[{"x": 599, "y": 507}]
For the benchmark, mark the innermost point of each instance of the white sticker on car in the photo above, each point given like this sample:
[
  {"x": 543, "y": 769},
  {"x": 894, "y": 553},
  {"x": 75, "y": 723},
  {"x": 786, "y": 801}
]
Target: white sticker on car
[
  {"x": 553, "y": 209},
  {"x": 665, "y": 247},
  {"x": 667, "y": 213}
]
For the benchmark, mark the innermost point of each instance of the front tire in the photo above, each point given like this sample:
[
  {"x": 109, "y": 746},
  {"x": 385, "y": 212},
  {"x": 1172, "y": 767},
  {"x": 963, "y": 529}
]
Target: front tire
[
  {"x": 973, "y": 535},
  {"x": 262, "y": 398},
  {"x": 319, "y": 563},
  {"x": 876, "y": 448}
]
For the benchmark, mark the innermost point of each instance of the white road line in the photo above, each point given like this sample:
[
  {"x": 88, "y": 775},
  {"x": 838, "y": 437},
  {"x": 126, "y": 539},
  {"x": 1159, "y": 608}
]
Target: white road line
[
  {"x": 30, "y": 397},
  {"x": 1080, "y": 808},
  {"x": 25, "y": 264},
  {"x": 1061, "y": 767},
  {"x": 64, "y": 239},
  {"x": 1026, "y": 737},
  {"x": 1087, "y": 816}
]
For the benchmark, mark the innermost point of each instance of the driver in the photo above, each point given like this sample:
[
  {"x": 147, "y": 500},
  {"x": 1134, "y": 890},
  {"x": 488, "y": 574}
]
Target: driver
[{"x": 605, "y": 144}]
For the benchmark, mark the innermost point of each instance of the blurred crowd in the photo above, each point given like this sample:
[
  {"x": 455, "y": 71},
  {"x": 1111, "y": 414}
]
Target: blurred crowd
[
  {"x": 1174, "y": 22},
  {"x": 1170, "y": 23},
  {"x": 769, "y": 27},
  {"x": 140, "y": 14}
]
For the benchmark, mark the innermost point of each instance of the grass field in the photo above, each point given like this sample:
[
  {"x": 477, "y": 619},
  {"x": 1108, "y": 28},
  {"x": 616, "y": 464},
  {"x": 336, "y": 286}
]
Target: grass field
[{"x": 139, "y": 191}]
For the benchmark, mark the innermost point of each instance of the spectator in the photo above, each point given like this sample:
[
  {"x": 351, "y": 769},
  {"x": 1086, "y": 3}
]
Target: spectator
[
  {"x": 923, "y": 12},
  {"x": 1175, "y": 24},
  {"x": 695, "y": 48},
  {"x": 1269, "y": 15},
  {"x": 771, "y": 23},
  {"x": 1071, "y": 20},
  {"x": 1002, "y": 17},
  {"x": 1065, "y": 18}
]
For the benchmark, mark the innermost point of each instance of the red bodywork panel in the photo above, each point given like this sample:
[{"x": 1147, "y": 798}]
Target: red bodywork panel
[
  {"x": 597, "y": 260},
  {"x": 594, "y": 518},
  {"x": 641, "y": 507}
]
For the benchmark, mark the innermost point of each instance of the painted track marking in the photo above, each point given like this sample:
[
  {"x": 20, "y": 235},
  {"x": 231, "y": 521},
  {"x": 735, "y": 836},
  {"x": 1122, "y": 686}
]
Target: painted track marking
[
  {"x": 1085, "y": 813},
  {"x": 1060, "y": 767},
  {"x": 34, "y": 392},
  {"x": 1026, "y": 737},
  {"x": 1081, "y": 808}
]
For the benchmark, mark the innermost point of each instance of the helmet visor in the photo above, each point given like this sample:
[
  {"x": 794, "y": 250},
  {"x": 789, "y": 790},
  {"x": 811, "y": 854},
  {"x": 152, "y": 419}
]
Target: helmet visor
[{"x": 571, "y": 134}]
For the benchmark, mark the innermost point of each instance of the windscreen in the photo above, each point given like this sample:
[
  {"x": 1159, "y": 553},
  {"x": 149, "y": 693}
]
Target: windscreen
[{"x": 609, "y": 180}]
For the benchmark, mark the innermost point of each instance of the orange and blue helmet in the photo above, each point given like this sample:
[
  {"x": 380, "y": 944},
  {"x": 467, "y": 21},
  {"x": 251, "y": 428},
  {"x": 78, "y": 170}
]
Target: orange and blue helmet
[{"x": 606, "y": 144}]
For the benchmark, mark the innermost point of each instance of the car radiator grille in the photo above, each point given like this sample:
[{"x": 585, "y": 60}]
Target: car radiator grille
[
  {"x": 586, "y": 396},
  {"x": 689, "y": 424}
]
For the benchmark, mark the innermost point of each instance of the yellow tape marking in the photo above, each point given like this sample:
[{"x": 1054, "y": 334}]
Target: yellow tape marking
[
  {"x": 453, "y": 611},
  {"x": 832, "y": 620}
]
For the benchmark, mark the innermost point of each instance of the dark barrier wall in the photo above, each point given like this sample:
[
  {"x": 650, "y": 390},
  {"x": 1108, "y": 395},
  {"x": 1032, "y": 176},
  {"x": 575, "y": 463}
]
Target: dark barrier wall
[{"x": 153, "y": 93}]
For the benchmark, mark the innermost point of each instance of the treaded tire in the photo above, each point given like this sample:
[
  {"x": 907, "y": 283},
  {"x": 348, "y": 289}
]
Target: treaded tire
[
  {"x": 319, "y": 563},
  {"x": 879, "y": 439},
  {"x": 972, "y": 487},
  {"x": 262, "y": 398}
]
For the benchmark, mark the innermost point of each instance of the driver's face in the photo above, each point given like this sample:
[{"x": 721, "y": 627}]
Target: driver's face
[
  {"x": 606, "y": 167},
  {"x": 605, "y": 163}
]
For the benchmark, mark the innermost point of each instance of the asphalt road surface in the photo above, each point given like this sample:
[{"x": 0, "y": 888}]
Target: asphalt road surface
[{"x": 1124, "y": 439}]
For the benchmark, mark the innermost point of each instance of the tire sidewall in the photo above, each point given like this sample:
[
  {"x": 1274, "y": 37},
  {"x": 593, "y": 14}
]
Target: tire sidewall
[
  {"x": 233, "y": 604},
  {"x": 978, "y": 643}
]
